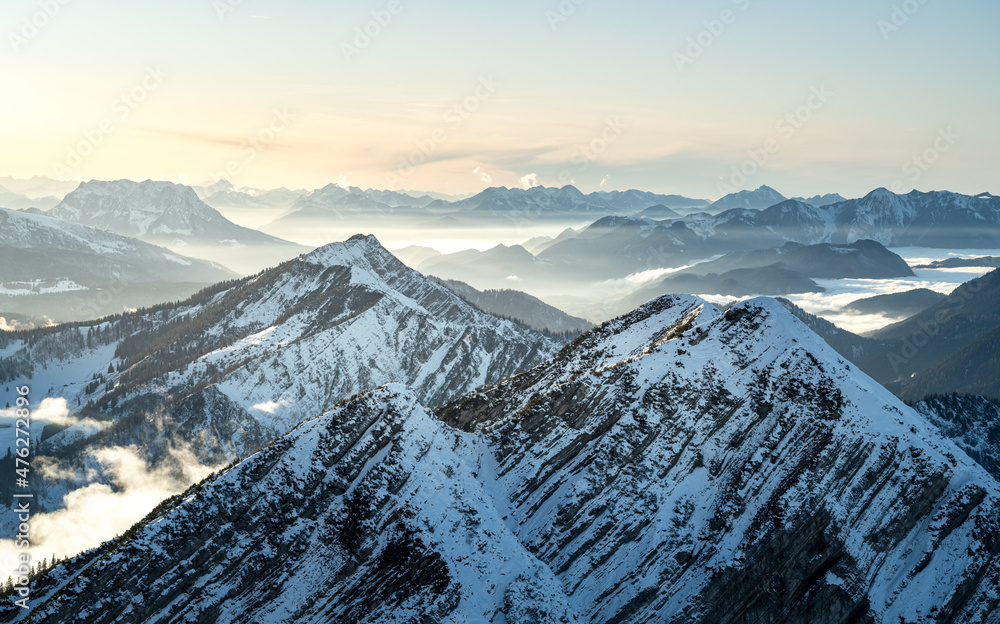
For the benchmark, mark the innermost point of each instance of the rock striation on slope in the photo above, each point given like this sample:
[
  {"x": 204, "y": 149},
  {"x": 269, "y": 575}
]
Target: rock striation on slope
[{"x": 678, "y": 464}]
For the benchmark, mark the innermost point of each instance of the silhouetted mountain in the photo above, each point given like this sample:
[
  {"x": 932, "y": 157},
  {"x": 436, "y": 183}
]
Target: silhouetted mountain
[
  {"x": 772, "y": 280},
  {"x": 973, "y": 368},
  {"x": 904, "y": 304},
  {"x": 961, "y": 263},
  {"x": 860, "y": 260},
  {"x": 503, "y": 263},
  {"x": 658, "y": 212},
  {"x": 520, "y": 307}
]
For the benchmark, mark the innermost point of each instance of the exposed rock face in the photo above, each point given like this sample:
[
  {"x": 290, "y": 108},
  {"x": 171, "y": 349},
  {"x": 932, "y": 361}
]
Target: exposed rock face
[
  {"x": 676, "y": 465},
  {"x": 701, "y": 460}
]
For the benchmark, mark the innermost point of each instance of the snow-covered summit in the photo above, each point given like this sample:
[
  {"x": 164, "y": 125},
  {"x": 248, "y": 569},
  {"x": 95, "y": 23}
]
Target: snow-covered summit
[{"x": 172, "y": 215}]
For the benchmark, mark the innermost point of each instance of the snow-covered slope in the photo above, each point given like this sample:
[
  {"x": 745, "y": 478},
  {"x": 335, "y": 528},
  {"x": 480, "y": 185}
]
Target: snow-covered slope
[
  {"x": 172, "y": 215},
  {"x": 678, "y": 464},
  {"x": 678, "y": 453},
  {"x": 69, "y": 272},
  {"x": 246, "y": 361},
  {"x": 372, "y": 513}
]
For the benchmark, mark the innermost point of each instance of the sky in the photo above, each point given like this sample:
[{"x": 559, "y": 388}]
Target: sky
[{"x": 453, "y": 96}]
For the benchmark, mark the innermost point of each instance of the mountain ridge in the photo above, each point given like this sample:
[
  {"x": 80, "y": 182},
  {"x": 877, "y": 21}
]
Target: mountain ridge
[{"x": 633, "y": 477}]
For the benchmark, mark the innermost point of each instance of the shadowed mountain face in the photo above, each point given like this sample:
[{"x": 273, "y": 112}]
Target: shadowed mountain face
[
  {"x": 519, "y": 306},
  {"x": 951, "y": 346},
  {"x": 644, "y": 474}
]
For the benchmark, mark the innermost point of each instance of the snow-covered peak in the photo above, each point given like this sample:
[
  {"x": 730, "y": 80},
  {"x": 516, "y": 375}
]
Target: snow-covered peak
[
  {"x": 139, "y": 209},
  {"x": 357, "y": 249}
]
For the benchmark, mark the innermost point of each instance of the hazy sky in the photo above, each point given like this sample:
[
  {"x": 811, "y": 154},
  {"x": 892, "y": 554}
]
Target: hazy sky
[{"x": 626, "y": 94}]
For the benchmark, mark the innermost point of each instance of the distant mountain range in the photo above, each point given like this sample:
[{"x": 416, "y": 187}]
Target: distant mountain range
[
  {"x": 172, "y": 215},
  {"x": 69, "y": 272},
  {"x": 327, "y": 209},
  {"x": 959, "y": 263},
  {"x": 770, "y": 280},
  {"x": 618, "y": 246},
  {"x": 678, "y": 464},
  {"x": 38, "y": 187},
  {"x": 17, "y": 201},
  {"x": 224, "y": 194},
  {"x": 822, "y": 200},
  {"x": 334, "y": 206},
  {"x": 542, "y": 202},
  {"x": 507, "y": 265}
]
